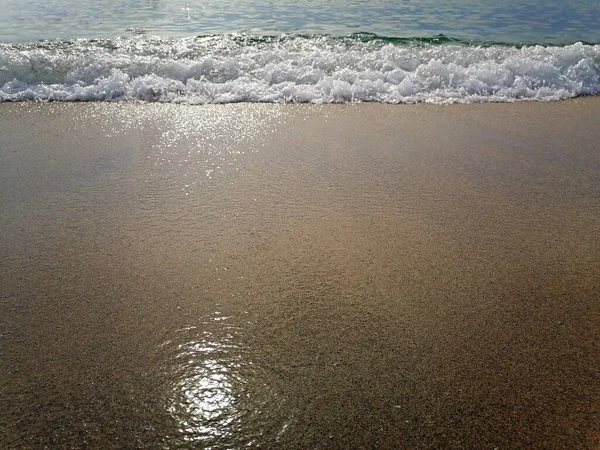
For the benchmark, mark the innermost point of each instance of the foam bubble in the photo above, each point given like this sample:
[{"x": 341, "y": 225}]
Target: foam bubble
[{"x": 318, "y": 69}]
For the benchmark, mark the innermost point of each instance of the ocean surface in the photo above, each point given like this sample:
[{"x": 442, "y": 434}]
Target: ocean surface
[{"x": 220, "y": 51}]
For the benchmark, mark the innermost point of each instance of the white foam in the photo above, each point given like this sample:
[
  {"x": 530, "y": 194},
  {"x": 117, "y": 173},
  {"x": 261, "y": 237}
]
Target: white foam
[{"x": 226, "y": 69}]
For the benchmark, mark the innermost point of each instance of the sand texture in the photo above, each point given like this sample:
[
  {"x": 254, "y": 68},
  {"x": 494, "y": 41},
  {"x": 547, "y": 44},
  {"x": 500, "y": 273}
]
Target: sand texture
[{"x": 300, "y": 276}]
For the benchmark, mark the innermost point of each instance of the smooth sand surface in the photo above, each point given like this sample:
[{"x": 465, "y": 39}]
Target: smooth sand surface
[{"x": 300, "y": 276}]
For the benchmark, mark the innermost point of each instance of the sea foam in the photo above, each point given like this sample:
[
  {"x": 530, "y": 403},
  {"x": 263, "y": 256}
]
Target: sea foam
[{"x": 295, "y": 68}]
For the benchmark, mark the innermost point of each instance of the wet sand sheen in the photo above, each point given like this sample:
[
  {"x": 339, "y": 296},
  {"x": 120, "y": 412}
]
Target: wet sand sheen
[{"x": 351, "y": 276}]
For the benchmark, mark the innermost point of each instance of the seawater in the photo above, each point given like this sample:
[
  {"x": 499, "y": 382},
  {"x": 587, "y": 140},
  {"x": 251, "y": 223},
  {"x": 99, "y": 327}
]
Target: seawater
[{"x": 302, "y": 51}]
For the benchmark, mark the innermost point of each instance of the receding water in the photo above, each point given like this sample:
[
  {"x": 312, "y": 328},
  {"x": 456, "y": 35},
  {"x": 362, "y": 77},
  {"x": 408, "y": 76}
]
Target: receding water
[{"x": 298, "y": 277}]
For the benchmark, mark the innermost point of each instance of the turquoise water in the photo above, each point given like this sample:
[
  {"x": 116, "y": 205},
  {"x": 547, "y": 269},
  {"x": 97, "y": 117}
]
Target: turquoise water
[{"x": 299, "y": 51}]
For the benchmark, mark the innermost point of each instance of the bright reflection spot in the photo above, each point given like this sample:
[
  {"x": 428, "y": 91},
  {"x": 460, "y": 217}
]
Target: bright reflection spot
[
  {"x": 210, "y": 140},
  {"x": 208, "y": 400},
  {"x": 224, "y": 394},
  {"x": 207, "y": 394},
  {"x": 191, "y": 144}
]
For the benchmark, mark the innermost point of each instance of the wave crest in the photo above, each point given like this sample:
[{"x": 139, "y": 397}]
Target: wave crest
[{"x": 297, "y": 68}]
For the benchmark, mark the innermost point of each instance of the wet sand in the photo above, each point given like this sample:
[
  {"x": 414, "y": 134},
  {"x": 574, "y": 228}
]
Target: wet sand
[{"x": 342, "y": 276}]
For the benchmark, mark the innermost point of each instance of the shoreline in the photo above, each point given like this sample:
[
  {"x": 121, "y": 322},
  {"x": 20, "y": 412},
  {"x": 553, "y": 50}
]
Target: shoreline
[{"x": 453, "y": 102}]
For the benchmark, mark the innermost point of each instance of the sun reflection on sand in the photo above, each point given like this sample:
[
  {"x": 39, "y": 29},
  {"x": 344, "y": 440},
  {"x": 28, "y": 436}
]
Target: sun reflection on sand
[
  {"x": 221, "y": 395},
  {"x": 207, "y": 401},
  {"x": 206, "y": 397}
]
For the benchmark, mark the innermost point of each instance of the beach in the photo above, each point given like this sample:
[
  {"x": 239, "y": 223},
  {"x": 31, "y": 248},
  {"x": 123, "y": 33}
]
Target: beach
[{"x": 300, "y": 276}]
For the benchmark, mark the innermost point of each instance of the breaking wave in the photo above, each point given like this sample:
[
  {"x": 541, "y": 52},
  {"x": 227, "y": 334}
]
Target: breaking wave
[{"x": 296, "y": 68}]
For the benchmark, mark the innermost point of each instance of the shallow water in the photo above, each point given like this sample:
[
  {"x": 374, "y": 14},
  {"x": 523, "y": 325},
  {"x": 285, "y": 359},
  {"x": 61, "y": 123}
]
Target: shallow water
[{"x": 273, "y": 276}]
